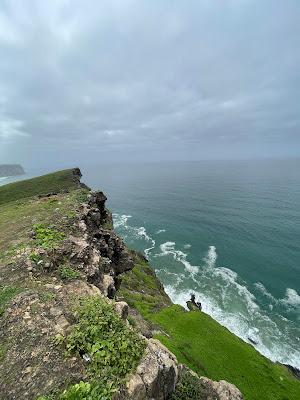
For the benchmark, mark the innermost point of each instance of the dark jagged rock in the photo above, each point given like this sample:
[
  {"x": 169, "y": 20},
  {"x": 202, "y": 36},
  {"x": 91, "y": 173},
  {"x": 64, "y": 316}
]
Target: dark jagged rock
[
  {"x": 11, "y": 170},
  {"x": 77, "y": 177},
  {"x": 294, "y": 371}
]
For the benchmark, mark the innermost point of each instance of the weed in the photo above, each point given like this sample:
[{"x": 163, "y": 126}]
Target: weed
[
  {"x": 96, "y": 390},
  {"x": 6, "y": 294},
  {"x": 36, "y": 258},
  {"x": 2, "y": 351},
  {"x": 46, "y": 296},
  {"x": 114, "y": 348},
  {"x": 67, "y": 272},
  {"x": 47, "y": 237},
  {"x": 189, "y": 388}
]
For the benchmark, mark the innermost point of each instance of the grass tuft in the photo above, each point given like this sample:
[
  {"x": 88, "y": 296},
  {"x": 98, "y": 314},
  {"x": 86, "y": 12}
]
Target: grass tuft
[{"x": 68, "y": 273}]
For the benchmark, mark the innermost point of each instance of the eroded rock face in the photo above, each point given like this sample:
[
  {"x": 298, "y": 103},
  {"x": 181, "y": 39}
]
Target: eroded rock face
[
  {"x": 223, "y": 390},
  {"x": 156, "y": 375},
  {"x": 100, "y": 252}
]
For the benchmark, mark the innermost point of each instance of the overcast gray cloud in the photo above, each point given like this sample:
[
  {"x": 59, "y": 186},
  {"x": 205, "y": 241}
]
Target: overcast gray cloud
[{"x": 136, "y": 80}]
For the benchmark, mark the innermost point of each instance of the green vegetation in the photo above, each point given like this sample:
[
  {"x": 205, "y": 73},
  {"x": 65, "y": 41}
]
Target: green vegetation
[
  {"x": 141, "y": 289},
  {"x": 47, "y": 237},
  {"x": 67, "y": 272},
  {"x": 56, "y": 182},
  {"x": 205, "y": 346},
  {"x": 189, "y": 388},
  {"x": 100, "y": 332},
  {"x": 2, "y": 351},
  {"x": 7, "y": 293},
  {"x": 96, "y": 390},
  {"x": 114, "y": 349},
  {"x": 18, "y": 217}
]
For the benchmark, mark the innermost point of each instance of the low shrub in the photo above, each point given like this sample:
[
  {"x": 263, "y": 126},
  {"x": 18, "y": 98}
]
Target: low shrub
[
  {"x": 68, "y": 273},
  {"x": 114, "y": 349},
  {"x": 46, "y": 236}
]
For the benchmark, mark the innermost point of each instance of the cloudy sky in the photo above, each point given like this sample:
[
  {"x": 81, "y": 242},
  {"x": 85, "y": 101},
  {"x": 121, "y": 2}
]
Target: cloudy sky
[{"x": 148, "y": 80}]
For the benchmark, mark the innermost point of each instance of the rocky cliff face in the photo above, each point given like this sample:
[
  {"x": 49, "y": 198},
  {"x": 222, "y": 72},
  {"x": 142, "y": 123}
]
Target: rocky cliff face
[
  {"x": 32, "y": 363},
  {"x": 11, "y": 170}
]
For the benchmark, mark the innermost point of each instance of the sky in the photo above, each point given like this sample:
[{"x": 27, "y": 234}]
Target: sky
[{"x": 148, "y": 80}]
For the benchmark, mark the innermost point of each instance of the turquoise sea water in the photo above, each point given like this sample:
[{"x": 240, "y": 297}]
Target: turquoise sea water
[{"x": 227, "y": 231}]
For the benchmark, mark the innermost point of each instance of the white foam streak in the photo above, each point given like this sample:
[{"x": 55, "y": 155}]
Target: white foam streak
[
  {"x": 292, "y": 298},
  {"x": 211, "y": 256},
  {"x": 142, "y": 232},
  {"x": 225, "y": 297},
  {"x": 120, "y": 220},
  {"x": 168, "y": 248}
]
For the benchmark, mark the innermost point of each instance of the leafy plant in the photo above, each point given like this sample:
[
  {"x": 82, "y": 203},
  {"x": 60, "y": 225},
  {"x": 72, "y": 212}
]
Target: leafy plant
[
  {"x": 67, "y": 272},
  {"x": 35, "y": 257},
  {"x": 114, "y": 348},
  {"x": 189, "y": 388},
  {"x": 46, "y": 236},
  {"x": 89, "y": 391}
]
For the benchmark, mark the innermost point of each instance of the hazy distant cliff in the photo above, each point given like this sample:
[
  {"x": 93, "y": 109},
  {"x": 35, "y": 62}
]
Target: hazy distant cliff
[{"x": 11, "y": 170}]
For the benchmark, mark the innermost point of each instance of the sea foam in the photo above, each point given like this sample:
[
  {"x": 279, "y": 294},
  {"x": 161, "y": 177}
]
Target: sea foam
[{"x": 223, "y": 295}]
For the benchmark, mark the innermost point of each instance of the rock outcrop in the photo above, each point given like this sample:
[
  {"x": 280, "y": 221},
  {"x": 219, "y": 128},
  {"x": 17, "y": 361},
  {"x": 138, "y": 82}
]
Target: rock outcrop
[
  {"x": 221, "y": 390},
  {"x": 155, "y": 377},
  {"x": 11, "y": 170}
]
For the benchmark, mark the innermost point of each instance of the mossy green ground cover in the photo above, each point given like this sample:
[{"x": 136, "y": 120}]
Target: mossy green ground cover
[{"x": 207, "y": 347}]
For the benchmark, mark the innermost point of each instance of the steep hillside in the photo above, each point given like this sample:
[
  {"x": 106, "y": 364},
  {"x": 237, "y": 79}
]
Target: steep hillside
[
  {"x": 66, "y": 332},
  {"x": 202, "y": 343}
]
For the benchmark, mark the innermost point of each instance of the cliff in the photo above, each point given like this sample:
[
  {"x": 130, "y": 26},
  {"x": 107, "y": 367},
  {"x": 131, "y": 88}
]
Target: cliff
[
  {"x": 11, "y": 170},
  {"x": 84, "y": 317}
]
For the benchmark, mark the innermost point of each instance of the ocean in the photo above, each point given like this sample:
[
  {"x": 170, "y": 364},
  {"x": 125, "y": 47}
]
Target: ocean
[{"x": 227, "y": 231}]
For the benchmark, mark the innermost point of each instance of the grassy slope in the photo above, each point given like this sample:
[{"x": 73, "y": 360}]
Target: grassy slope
[
  {"x": 55, "y": 182},
  {"x": 20, "y": 209},
  {"x": 205, "y": 346}
]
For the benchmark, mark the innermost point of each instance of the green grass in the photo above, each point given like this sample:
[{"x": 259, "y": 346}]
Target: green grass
[
  {"x": 46, "y": 236},
  {"x": 18, "y": 218},
  {"x": 7, "y": 293},
  {"x": 204, "y": 345},
  {"x": 211, "y": 350},
  {"x": 68, "y": 273},
  {"x": 54, "y": 182},
  {"x": 140, "y": 288}
]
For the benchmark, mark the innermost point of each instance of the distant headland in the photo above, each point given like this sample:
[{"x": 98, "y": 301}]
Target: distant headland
[{"x": 11, "y": 170}]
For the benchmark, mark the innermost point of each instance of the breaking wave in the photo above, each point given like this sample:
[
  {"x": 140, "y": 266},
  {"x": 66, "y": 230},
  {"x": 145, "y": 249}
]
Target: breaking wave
[{"x": 223, "y": 294}]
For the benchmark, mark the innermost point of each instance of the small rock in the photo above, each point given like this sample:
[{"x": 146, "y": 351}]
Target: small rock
[
  {"x": 55, "y": 311},
  {"x": 121, "y": 308},
  {"x": 26, "y": 315},
  {"x": 27, "y": 370}
]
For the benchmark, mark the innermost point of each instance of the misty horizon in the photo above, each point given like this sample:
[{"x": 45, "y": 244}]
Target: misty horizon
[{"x": 136, "y": 81}]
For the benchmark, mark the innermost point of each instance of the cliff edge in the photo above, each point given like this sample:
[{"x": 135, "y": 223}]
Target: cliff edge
[
  {"x": 11, "y": 170},
  {"x": 84, "y": 317}
]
